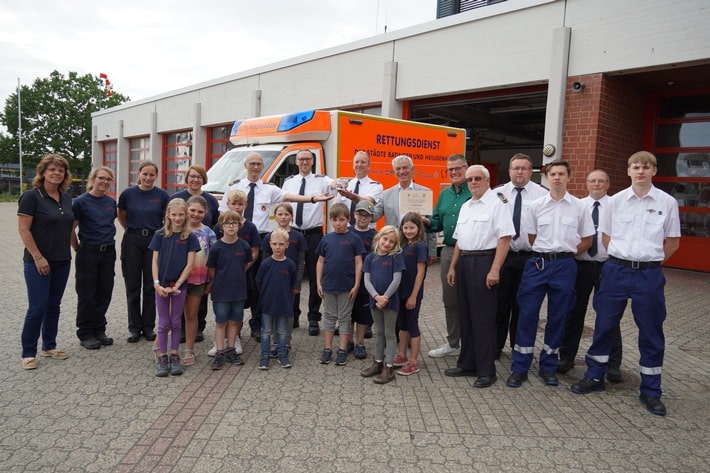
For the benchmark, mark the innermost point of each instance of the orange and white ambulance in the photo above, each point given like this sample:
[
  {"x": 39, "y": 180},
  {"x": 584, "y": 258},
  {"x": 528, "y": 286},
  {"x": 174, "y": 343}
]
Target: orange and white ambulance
[{"x": 334, "y": 137}]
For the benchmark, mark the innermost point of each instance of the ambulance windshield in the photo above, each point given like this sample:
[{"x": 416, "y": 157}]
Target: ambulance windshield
[{"x": 230, "y": 167}]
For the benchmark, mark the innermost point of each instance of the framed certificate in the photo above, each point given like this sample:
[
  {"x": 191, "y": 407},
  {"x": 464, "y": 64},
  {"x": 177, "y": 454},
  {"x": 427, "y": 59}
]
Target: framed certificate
[{"x": 419, "y": 201}]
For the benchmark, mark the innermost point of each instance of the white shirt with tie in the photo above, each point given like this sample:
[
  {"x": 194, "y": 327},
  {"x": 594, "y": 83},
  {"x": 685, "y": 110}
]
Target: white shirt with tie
[
  {"x": 601, "y": 251},
  {"x": 265, "y": 195},
  {"x": 316, "y": 184},
  {"x": 530, "y": 192}
]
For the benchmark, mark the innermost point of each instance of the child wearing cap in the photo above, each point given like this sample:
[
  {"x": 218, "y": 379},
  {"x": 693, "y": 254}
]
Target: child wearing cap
[{"x": 361, "y": 314}]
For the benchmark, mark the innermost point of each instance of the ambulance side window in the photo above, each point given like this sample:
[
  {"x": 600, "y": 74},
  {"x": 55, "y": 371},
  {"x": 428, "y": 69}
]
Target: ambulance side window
[{"x": 287, "y": 168}]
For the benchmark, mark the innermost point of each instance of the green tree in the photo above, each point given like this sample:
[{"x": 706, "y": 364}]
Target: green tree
[{"x": 56, "y": 118}]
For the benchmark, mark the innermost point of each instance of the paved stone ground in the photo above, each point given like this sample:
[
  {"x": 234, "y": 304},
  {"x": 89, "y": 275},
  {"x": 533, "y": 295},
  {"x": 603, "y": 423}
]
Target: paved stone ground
[{"x": 106, "y": 411}]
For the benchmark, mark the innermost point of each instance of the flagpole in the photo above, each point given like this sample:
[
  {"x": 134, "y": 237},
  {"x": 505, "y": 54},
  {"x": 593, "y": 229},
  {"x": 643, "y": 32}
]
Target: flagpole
[{"x": 19, "y": 130}]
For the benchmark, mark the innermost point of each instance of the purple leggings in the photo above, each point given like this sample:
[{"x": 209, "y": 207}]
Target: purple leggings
[{"x": 170, "y": 319}]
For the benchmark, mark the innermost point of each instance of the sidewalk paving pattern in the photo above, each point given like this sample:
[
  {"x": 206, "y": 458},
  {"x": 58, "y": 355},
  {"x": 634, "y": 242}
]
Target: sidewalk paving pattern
[{"x": 104, "y": 410}]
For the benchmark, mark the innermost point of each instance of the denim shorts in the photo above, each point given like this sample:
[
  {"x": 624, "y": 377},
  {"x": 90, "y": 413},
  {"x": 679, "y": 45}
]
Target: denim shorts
[{"x": 232, "y": 311}]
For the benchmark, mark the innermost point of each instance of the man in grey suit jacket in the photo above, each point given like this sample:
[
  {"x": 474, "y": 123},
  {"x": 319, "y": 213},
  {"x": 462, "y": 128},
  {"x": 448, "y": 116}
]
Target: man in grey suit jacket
[{"x": 389, "y": 204}]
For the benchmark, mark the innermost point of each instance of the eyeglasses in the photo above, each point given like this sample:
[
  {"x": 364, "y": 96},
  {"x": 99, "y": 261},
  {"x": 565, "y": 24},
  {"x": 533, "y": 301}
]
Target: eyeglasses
[
  {"x": 520, "y": 169},
  {"x": 104, "y": 179},
  {"x": 194, "y": 176},
  {"x": 255, "y": 164},
  {"x": 230, "y": 224},
  {"x": 475, "y": 178},
  {"x": 597, "y": 181},
  {"x": 455, "y": 169},
  {"x": 304, "y": 160}
]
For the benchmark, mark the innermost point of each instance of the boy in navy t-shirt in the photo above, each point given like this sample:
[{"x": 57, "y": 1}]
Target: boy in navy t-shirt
[
  {"x": 275, "y": 281},
  {"x": 338, "y": 281},
  {"x": 227, "y": 263},
  {"x": 361, "y": 314}
]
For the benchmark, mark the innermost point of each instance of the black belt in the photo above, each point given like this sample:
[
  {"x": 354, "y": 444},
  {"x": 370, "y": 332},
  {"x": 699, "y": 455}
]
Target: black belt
[
  {"x": 590, "y": 263},
  {"x": 526, "y": 254},
  {"x": 553, "y": 256},
  {"x": 100, "y": 248},
  {"x": 310, "y": 231},
  {"x": 635, "y": 264},
  {"x": 141, "y": 231},
  {"x": 478, "y": 253}
]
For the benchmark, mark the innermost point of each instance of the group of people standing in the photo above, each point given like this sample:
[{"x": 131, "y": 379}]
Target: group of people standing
[
  {"x": 507, "y": 248},
  {"x": 514, "y": 245}
]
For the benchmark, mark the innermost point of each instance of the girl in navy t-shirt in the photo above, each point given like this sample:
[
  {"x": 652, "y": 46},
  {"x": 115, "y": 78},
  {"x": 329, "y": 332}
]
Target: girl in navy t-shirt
[
  {"x": 383, "y": 273},
  {"x": 411, "y": 291},
  {"x": 174, "y": 248}
]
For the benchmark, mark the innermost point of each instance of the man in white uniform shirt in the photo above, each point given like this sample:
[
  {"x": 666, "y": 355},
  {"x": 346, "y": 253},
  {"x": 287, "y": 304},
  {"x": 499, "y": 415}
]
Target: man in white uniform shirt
[
  {"x": 482, "y": 234},
  {"x": 361, "y": 187},
  {"x": 559, "y": 226},
  {"x": 640, "y": 231},
  {"x": 520, "y": 191},
  {"x": 308, "y": 219},
  {"x": 589, "y": 268}
]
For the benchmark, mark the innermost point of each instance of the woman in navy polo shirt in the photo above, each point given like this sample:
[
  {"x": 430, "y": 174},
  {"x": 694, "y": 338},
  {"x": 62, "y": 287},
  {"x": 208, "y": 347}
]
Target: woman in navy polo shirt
[
  {"x": 44, "y": 222},
  {"x": 140, "y": 212},
  {"x": 94, "y": 214}
]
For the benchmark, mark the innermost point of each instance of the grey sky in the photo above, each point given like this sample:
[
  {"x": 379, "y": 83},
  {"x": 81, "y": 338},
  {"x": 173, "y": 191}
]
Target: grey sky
[{"x": 152, "y": 46}]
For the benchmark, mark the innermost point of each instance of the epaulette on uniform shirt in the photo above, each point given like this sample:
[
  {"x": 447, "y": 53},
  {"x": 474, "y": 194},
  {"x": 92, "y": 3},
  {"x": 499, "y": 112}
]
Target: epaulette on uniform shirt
[
  {"x": 503, "y": 198},
  {"x": 231, "y": 183}
]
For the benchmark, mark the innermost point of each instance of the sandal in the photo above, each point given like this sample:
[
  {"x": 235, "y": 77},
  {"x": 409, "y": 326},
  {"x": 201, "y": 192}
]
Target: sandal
[
  {"x": 188, "y": 358},
  {"x": 29, "y": 363},
  {"x": 55, "y": 353}
]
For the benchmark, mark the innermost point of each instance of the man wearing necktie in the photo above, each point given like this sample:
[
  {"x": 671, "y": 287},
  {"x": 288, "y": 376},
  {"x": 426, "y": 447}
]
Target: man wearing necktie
[
  {"x": 308, "y": 219},
  {"x": 589, "y": 268},
  {"x": 520, "y": 191},
  {"x": 361, "y": 187}
]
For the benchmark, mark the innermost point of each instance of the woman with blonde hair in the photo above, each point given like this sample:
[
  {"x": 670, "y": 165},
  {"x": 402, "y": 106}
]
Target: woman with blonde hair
[
  {"x": 44, "y": 222},
  {"x": 94, "y": 215}
]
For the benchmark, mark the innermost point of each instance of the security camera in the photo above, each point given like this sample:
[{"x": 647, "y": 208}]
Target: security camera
[{"x": 577, "y": 86}]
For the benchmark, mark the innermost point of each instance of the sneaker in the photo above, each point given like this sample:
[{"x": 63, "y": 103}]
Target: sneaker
[
  {"x": 162, "y": 367},
  {"x": 238, "y": 345},
  {"x": 264, "y": 364},
  {"x": 409, "y": 368},
  {"x": 400, "y": 361},
  {"x": 175, "y": 365},
  {"x": 360, "y": 351},
  {"x": 285, "y": 362},
  {"x": 341, "y": 358},
  {"x": 325, "y": 356},
  {"x": 230, "y": 356},
  {"x": 586, "y": 386},
  {"x": 444, "y": 350},
  {"x": 350, "y": 347},
  {"x": 218, "y": 361}
]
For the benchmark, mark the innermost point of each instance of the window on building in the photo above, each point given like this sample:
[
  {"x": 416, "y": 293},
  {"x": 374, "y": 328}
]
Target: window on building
[
  {"x": 218, "y": 143},
  {"x": 452, "y": 7},
  {"x": 177, "y": 158},
  {"x": 110, "y": 160},
  {"x": 140, "y": 151},
  {"x": 682, "y": 146}
]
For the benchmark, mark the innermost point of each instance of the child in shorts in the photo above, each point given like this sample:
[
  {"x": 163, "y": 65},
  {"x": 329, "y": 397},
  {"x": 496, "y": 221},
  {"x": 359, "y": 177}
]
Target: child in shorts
[
  {"x": 338, "y": 281},
  {"x": 228, "y": 262}
]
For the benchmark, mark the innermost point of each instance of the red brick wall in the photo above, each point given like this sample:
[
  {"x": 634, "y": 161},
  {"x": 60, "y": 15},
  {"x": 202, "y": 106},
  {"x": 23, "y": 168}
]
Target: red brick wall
[{"x": 603, "y": 126}]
